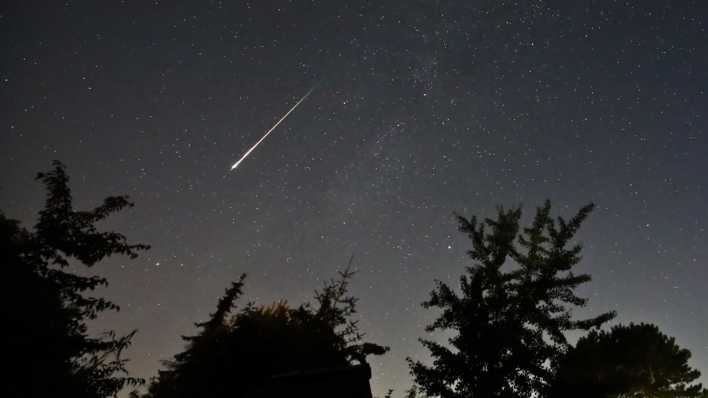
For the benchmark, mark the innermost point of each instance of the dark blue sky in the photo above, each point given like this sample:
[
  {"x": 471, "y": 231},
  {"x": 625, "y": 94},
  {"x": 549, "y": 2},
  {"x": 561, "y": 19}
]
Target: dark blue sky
[{"x": 422, "y": 108}]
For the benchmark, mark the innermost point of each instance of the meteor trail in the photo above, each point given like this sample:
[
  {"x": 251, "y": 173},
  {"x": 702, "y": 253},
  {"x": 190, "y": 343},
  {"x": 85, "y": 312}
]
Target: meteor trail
[{"x": 248, "y": 152}]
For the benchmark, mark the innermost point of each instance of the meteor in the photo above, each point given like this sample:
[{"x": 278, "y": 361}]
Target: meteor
[{"x": 248, "y": 152}]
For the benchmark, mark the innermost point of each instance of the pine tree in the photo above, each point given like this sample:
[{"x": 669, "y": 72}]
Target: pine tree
[
  {"x": 230, "y": 356},
  {"x": 508, "y": 325},
  {"x": 48, "y": 344},
  {"x": 192, "y": 369}
]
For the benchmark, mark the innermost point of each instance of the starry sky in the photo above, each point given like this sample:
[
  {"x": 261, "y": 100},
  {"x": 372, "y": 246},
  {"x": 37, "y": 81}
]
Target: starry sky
[{"x": 421, "y": 108}]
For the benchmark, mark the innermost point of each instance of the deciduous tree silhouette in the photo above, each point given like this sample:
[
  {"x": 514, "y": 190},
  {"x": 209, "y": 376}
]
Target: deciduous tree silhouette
[
  {"x": 46, "y": 346},
  {"x": 628, "y": 361},
  {"x": 508, "y": 323},
  {"x": 232, "y": 355}
]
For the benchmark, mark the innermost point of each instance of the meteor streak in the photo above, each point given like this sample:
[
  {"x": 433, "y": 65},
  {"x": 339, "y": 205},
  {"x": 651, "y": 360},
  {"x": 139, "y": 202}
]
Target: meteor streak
[{"x": 248, "y": 152}]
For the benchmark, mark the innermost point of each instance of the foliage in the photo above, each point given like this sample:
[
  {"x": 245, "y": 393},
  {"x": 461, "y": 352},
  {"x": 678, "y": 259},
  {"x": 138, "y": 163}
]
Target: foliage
[
  {"x": 50, "y": 350},
  {"x": 508, "y": 324},
  {"x": 628, "y": 361},
  {"x": 233, "y": 355}
]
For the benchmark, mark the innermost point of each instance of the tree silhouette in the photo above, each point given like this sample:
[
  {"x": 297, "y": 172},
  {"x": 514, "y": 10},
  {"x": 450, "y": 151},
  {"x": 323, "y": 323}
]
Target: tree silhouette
[
  {"x": 195, "y": 364},
  {"x": 231, "y": 356},
  {"x": 47, "y": 345},
  {"x": 508, "y": 323},
  {"x": 628, "y": 361}
]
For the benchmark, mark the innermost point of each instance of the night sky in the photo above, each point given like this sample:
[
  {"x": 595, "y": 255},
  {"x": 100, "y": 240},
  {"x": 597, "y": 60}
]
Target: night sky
[{"x": 421, "y": 108}]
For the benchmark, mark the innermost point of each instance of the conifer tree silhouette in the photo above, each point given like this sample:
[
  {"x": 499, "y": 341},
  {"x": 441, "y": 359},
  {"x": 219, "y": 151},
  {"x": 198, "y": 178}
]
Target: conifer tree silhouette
[
  {"x": 508, "y": 322},
  {"x": 237, "y": 351}
]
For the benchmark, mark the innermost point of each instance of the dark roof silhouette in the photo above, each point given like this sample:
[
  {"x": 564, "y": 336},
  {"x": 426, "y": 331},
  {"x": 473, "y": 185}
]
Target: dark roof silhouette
[{"x": 347, "y": 382}]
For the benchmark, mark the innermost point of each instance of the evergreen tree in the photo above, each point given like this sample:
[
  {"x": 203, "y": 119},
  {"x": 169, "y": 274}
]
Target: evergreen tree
[
  {"x": 51, "y": 352},
  {"x": 508, "y": 324},
  {"x": 232, "y": 355},
  {"x": 628, "y": 361},
  {"x": 193, "y": 368}
]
